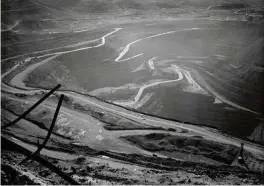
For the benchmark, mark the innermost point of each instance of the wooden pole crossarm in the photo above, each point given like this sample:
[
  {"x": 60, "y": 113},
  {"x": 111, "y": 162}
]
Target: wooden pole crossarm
[
  {"x": 49, "y": 132},
  {"x": 31, "y": 108},
  {"x": 39, "y": 159}
]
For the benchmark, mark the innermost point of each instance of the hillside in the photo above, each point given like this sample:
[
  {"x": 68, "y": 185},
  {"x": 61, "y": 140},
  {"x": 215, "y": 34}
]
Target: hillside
[
  {"x": 28, "y": 15},
  {"x": 241, "y": 78},
  {"x": 153, "y": 91}
]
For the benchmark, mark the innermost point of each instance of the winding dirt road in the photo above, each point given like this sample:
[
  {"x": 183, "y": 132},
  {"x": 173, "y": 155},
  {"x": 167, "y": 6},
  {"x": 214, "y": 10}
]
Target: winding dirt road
[
  {"x": 151, "y": 121},
  {"x": 141, "y": 90},
  {"x": 127, "y": 47}
]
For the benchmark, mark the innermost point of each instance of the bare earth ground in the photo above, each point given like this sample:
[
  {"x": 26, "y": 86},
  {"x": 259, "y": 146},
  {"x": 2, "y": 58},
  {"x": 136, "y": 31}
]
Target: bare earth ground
[
  {"x": 96, "y": 142},
  {"x": 120, "y": 169},
  {"x": 173, "y": 156}
]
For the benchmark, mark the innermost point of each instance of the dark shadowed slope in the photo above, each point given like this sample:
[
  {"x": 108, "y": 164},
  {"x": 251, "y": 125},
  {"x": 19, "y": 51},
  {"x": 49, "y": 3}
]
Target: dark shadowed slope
[{"x": 241, "y": 78}]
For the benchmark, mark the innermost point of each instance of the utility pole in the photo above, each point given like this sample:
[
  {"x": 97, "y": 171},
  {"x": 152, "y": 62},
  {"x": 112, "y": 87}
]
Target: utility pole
[
  {"x": 240, "y": 158},
  {"x": 31, "y": 108}
]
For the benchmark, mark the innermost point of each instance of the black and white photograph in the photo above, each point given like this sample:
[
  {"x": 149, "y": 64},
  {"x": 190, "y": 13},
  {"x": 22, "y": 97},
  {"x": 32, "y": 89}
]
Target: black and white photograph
[{"x": 132, "y": 92}]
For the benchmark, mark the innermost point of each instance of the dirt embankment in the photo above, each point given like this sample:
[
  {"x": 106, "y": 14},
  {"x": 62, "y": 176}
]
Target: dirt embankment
[
  {"x": 106, "y": 167},
  {"x": 117, "y": 168},
  {"x": 195, "y": 146}
]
